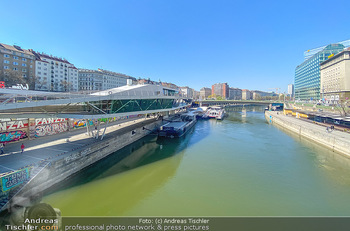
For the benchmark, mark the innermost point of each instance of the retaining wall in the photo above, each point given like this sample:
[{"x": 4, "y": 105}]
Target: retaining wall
[
  {"x": 335, "y": 142},
  {"x": 70, "y": 163}
]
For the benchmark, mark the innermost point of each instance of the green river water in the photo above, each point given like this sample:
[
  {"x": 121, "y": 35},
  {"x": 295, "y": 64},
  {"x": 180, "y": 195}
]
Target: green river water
[{"x": 241, "y": 166}]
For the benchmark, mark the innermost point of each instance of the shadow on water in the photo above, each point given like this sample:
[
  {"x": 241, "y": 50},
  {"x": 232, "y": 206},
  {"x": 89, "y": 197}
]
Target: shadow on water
[
  {"x": 238, "y": 114},
  {"x": 145, "y": 151},
  {"x": 335, "y": 165}
]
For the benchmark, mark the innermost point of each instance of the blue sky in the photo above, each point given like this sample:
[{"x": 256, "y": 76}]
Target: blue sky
[{"x": 252, "y": 45}]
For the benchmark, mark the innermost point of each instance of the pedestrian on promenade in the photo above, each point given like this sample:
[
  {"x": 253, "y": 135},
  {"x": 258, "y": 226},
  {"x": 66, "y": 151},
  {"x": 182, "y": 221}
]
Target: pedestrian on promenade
[
  {"x": 22, "y": 147},
  {"x": 2, "y": 148}
]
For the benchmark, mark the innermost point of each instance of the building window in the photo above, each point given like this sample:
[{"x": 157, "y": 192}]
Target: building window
[
  {"x": 31, "y": 66},
  {"x": 39, "y": 68},
  {"x": 24, "y": 75},
  {"x": 15, "y": 63},
  {"x": 6, "y": 61},
  {"x": 24, "y": 65},
  {"x": 24, "y": 70},
  {"x": 15, "y": 57},
  {"x": 15, "y": 69},
  {"x": 39, "y": 73},
  {"x": 24, "y": 59},
  {"x": 6, "y": 67},
  {"x": 6, "y": 56}
]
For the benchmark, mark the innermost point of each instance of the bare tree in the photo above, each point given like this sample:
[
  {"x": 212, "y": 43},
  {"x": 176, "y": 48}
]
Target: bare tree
[
  {"x": 31, "y": 81},
  {"x": 258, "y": 97},
  {"x": 343, "y": 107},
  {"x": 39, "y": 84},
  {"x": 12, "y": 77},
  {"x": 66, "y": 86}
]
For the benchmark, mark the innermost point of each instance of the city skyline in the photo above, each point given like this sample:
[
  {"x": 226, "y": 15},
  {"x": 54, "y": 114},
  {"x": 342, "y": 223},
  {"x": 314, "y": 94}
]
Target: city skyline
[{"x": 252, "y": 45}]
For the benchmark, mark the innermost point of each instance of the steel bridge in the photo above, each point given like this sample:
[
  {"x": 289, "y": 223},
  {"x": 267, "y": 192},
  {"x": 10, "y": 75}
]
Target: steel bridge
[{"x": 232, "y": 102}]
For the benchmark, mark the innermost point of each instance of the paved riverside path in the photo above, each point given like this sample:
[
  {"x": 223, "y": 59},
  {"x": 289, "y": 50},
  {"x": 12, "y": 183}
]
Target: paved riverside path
[
  {"x": 39, "y": 149},
  {"x": 338, "y": 135}
]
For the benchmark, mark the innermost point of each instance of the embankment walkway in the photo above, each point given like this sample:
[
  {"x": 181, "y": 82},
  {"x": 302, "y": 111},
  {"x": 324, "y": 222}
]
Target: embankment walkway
[
  {"x": 44, "y": 148},
  {"x": 337, "y": 141}
]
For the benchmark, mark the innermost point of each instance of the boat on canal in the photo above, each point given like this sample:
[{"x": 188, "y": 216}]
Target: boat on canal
[
  {"x": 216, "y": 112},
  {"x": 178, "y": 126}
]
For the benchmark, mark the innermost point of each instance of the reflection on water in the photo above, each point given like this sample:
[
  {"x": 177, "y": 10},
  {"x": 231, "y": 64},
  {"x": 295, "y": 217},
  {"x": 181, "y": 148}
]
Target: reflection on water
[{"x": 239, "y": 166}]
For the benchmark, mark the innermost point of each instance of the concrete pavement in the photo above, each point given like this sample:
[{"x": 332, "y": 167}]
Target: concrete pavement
[{"x": 40, "y": 149}]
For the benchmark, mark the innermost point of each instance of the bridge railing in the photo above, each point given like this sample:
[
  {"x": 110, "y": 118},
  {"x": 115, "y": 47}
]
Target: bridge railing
[{"x": 23, "y": 98}]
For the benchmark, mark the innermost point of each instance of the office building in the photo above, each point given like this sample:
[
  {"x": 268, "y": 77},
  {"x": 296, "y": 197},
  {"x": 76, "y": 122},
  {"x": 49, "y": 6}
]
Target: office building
[
  {"x": 309, "y": 53},
  {"x": 307, "y": 74},
  {"x": 335, "y": 78},
  {"x": 291, "y": 90}
]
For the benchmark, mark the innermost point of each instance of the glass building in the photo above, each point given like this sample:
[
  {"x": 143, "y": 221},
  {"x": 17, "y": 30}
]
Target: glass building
[
  {"x": 307, "y": 74},
  {"x": 309, "y": 53}
]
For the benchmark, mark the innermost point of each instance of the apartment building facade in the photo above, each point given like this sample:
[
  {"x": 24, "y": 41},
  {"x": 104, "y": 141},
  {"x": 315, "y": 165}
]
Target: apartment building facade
[
  {"x": 54, "y": 74},
  {"x": 187, "y": 92},
  {"x": 101, "y": 79},
  {"x": 246, "y": 94},
  {"x": 204, "y": 93},
  {"x": 17, "y": 66},
  {"x": 220, "y": 89},
  {"x": 235, "y": 93}
]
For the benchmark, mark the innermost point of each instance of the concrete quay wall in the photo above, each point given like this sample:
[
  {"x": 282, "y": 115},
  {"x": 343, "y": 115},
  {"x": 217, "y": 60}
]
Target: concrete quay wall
[
  {"x": 70, "y": 163},
  {"x": 337, "y": 141}
]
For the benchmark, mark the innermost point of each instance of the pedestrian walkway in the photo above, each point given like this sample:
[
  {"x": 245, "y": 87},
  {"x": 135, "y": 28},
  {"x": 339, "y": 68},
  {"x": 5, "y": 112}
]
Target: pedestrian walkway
[
  {"x": 39, "y": 149},
  {"x": 322, "y": 129},
  {"x": 336, "y": 140}
]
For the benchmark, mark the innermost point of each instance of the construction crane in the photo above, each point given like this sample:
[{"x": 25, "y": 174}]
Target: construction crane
[{"x": 277, "y": 88}]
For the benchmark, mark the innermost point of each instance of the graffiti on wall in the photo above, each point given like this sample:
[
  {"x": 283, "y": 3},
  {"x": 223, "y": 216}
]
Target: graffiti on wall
[
  {"x": 81, "y": 123},
  {"x": 13, "y": 125},
  {"x": 7, "y": 137},
  {"x": 42, "y": 121},
  {"x": 50, "y": 129},
  {"x": 14, "y": 179}
]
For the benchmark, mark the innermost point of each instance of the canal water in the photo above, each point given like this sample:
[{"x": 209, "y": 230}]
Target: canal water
[{"x": 241, "y": 166}]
